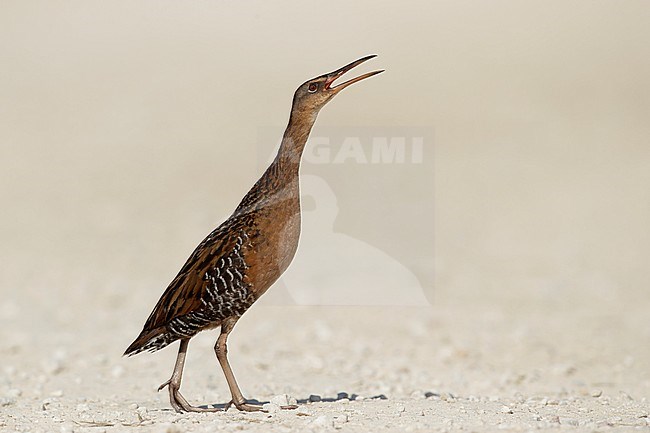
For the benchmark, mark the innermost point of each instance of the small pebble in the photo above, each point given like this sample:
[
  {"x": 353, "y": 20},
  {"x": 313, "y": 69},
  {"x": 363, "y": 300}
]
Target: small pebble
[
  {"x": 506, "y": 409},
  {"x": 314, "y": 398},
  {"x": 596, "y": 392},
  {"x": 57, "y": 393},
  {"x": 284, "y": 400},
  {"x": 418, "y": 395},
  {"x": 303, "y": 411},
  {"x": 340, "y": 419},
  {"x": 448, "y": 397},
  {"x": 271, "y": 407}
]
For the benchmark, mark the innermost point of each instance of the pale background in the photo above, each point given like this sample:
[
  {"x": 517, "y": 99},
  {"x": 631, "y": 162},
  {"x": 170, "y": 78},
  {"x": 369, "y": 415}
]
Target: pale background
[{"x": 129, "y": 129}]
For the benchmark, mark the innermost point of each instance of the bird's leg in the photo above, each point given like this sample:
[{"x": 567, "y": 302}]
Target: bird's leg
[
  {"x": 176, "y": 399},
  {"x": 221, "y": 349}
]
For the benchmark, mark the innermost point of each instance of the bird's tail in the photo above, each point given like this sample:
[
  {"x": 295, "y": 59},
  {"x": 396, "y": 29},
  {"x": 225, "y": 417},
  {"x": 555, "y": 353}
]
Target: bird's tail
[{"x": 151, "y": 340}]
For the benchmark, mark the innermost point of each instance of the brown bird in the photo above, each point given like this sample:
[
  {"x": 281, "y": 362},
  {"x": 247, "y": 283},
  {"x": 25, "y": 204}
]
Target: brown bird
[{"x": 244, "y": 256}]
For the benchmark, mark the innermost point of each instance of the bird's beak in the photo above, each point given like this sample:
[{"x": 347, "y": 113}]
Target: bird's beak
[{"x": 332, "y": 76}]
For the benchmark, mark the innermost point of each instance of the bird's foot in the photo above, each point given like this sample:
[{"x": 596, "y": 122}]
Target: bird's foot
[
  {"x": 179, "y": 403},
  {"x": 247, "y": 407},
  {"x": 244, "y": 406}
]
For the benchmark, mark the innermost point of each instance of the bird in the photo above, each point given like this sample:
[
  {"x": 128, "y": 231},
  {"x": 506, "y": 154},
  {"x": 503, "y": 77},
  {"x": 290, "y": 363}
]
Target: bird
[{"x": 240, "y": 259}]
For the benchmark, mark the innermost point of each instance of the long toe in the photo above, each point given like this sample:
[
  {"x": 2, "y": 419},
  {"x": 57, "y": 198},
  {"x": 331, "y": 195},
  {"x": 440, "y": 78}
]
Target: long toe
[
  {"x": 180, "y": 404},
  {"x": 247, "y": 407},
  {"x": 177, "y": 401},
  {"x": 186, "y": 407}
]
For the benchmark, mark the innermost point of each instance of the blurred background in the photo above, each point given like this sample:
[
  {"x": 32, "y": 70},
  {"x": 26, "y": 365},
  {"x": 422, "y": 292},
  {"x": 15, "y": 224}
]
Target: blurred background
[{"x": 128, "y": 130}]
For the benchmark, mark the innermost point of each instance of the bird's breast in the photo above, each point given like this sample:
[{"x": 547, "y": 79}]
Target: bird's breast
[{"x": 273, "y": 245}]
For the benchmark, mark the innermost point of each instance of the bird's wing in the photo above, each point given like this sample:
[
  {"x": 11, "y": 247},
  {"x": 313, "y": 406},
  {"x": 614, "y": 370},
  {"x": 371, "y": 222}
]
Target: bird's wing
[{"x": 212, "y": 276}]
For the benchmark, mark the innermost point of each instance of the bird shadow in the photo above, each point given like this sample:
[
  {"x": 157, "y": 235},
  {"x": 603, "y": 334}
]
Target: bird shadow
[
  {"x": 340, "y": 396},
  {"x": 313, "y": 398}
]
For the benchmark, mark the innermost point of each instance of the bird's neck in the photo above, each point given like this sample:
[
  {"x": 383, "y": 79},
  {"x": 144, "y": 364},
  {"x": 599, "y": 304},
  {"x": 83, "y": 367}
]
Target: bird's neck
[
  {"x": 279, "y": 184},
  {"x": 287, "y": 161}
]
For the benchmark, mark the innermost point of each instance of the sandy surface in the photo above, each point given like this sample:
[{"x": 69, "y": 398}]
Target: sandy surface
[{"x": 446, "y": 368}]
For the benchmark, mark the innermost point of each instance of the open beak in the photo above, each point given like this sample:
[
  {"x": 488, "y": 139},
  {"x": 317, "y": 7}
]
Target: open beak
[{"x": 332, "y": 76}]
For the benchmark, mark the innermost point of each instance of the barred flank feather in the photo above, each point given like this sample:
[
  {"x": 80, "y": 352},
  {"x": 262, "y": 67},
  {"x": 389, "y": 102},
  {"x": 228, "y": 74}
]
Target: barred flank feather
[{"x": 209, "y": 288}]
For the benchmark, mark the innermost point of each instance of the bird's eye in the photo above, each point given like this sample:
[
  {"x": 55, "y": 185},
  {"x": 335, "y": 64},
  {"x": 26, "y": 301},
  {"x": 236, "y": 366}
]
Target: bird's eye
[{"x": 312, "y": 87}]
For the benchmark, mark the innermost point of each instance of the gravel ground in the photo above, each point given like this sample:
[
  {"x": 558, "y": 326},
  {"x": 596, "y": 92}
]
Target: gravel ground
[{"x": 450, "y": 367}]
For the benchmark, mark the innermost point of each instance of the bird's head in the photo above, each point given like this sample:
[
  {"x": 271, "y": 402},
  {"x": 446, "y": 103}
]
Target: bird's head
[{"x": 312, "y": 95}]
